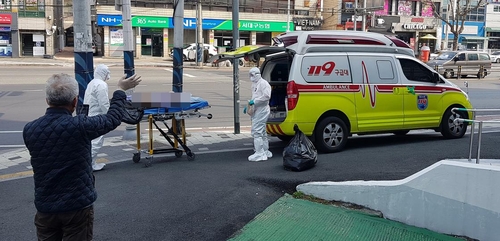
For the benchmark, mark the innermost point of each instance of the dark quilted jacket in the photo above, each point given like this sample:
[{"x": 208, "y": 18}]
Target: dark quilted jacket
[{"x": 60, "y": 149}]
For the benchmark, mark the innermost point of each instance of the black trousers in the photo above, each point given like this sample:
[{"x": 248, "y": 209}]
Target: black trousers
[{"x": 76, "y": 225}]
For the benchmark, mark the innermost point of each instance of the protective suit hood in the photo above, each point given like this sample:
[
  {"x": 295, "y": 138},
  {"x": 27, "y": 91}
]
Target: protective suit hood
[
  {"x": 102, "y": 72},
  {"x": 254, "y": 74}
]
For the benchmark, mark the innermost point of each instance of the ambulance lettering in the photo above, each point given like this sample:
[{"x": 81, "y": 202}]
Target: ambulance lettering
[
  {"x": 366, "y": 83},
  {"x": 327, "y": 68},
  {"x": 335, "y": 87}
]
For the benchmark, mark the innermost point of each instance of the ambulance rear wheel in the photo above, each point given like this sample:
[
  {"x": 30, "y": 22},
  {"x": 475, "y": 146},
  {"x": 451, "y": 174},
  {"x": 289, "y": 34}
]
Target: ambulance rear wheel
[
  {"x": 451, "y": 129},
  {"x": 331, "y": 134}
]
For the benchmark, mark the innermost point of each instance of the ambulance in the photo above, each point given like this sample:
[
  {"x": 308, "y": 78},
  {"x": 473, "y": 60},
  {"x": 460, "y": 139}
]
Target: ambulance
[{"x": 336, "y": 84}]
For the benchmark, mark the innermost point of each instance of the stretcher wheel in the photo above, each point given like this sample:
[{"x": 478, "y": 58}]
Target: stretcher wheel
[
  {"x": 178, "y": 154},
  {"x": 190, "y": 156},
  {"x": 209, "y": 116},
  {"x": 137, "y": 157}
]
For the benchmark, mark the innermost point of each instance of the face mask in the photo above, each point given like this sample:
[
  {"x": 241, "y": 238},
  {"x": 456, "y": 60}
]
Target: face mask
[{"x": 254, "y": 77}]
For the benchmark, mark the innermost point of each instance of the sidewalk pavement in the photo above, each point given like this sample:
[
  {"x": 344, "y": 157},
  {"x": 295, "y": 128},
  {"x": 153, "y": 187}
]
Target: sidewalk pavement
[{"x": 66, "y": 58}]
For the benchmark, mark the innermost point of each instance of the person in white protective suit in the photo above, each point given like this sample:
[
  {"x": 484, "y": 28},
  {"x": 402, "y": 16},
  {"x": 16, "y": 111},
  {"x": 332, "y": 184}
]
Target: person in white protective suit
[
  {"x": 261, "y": 93},
  {"x": 96, "y": 96}
]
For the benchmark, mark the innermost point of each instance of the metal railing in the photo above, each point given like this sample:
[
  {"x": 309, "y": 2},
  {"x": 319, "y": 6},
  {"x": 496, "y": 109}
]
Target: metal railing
[
  {"x": 472, "y": 121},
  {"x": 481, "y": 74}
]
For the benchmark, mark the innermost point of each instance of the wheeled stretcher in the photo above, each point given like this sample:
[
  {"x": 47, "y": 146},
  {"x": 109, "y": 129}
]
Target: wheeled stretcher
[{"x": 178, "y": 116}]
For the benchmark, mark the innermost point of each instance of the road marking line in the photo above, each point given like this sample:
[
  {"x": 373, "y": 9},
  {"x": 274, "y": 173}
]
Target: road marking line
[
  {"x": 7, "y": 132},
  {"x": 187, "y": 75},
  {"x": 16, "y": 175}
]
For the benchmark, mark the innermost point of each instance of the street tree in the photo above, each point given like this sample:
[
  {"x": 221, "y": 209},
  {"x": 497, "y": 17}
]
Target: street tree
[{"x": 455, "y": 16}]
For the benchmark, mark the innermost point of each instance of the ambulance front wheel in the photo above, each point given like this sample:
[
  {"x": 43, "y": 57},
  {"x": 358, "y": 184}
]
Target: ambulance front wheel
[
  {"x": 451, "y": 129},
  {"x": 331, "y": 134}
]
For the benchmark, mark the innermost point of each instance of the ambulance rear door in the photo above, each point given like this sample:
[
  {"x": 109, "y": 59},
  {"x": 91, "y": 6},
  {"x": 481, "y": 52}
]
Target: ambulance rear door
[{"x": 379, "y": 101}]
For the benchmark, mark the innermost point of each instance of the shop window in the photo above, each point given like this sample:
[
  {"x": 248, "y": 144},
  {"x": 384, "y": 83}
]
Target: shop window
[
  {"x": 5, "y": 4},
  {"x": 31, "y": 8},
  {"x": 406, "y": 8}
]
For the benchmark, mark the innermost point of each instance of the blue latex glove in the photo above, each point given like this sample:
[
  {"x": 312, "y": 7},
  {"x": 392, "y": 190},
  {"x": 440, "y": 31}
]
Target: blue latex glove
[
  {"x": 245, "y": 110},
  {"x": 251, "y": 102}
]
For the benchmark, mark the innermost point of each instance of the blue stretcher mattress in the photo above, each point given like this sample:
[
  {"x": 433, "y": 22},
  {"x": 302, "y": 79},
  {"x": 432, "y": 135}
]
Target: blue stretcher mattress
[{"x": 196, "y": 103}]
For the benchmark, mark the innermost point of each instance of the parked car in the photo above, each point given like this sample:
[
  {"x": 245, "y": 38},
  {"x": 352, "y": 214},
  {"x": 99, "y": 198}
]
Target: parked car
[
  {"x": 495, "y": 57},
  {"x": 470, "y": 63},
  {"x": 189, "y": 51}
]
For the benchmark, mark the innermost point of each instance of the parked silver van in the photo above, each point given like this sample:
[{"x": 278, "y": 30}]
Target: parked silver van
[{"x": 470, "y": 62}]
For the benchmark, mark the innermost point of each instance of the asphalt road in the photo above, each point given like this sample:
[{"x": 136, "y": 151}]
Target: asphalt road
[
  {"x": 217, "y": 194},
  {"x": 22, "y": 95}
]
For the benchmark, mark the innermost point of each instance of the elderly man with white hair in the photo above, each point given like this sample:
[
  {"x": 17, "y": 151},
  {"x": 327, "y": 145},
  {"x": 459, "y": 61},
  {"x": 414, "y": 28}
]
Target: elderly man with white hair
[{"x": 60, "y": 148}]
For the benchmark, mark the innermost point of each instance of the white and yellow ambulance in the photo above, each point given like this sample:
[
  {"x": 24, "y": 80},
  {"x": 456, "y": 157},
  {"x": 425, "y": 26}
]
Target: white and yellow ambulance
[{"x": 334, "y": 84}]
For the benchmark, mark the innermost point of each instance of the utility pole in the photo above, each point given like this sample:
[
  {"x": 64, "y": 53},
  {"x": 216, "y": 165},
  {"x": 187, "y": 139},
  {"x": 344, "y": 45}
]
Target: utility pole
[
  {"x": 355, "y": 15},
  {"x": 178, "y": 41},
  {"x": 84, "y": 60},
  {"x": 128, "y": 55},
  {"x": 199, "y": 34},
  {"x": 128, "y": 39},
  {"x": 236, "y": 61},
  {"x": 363, "y": 26},
  {"x": 59, "y": 23},
  {"x": 288, "y": 17}
]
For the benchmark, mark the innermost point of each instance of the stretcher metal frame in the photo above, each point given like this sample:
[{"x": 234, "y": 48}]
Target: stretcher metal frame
[{"x": 174, "y": 141}]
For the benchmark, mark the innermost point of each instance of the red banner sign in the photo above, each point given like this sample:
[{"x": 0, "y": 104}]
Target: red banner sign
[{"x": 5, "y": 19}]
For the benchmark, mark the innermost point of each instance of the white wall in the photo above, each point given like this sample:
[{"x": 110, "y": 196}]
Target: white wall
[{"x": 449, "y": 197}]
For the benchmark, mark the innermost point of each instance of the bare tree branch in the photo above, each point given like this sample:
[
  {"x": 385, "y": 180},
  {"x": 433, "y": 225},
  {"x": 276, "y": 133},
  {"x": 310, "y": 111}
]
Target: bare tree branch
[{"x": 456, "y": 14}]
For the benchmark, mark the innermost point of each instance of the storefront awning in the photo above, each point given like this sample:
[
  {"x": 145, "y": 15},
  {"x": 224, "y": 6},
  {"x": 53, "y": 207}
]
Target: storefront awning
[
  {"x": 492, "y": 29},
  {"x": 473, "y": 38}
]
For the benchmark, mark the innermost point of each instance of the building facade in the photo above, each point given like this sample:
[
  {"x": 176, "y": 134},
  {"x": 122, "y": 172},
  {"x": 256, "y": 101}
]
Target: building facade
[
  {"x": 259, "y": 22},
  {"x": 41, "y": 28},
  {"x": 492, "y": 24},
  {"x": 28, "y": 28}
]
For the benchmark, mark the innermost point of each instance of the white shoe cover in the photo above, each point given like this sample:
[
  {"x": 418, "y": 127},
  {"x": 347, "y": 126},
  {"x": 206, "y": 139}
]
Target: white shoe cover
[
  {"x": 257, "y": 157},
  {"x": 98, "y": 166},
  {"x": 269, "y": 154},
  {"x": 260, "y": 154}
]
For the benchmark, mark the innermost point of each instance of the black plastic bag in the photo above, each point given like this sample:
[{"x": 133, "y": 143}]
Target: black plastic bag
[{"x": 300, "y": 154}]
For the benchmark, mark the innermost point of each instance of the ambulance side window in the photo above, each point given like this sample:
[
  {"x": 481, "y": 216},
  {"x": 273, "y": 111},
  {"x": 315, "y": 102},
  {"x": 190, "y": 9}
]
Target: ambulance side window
[{"x": 414, "y": 71}]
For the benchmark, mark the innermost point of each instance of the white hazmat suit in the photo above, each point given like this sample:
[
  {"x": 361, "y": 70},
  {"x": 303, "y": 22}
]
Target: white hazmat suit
[
  {"x": 261, "y": 93},
  {"x": 96, "y": 96}
]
